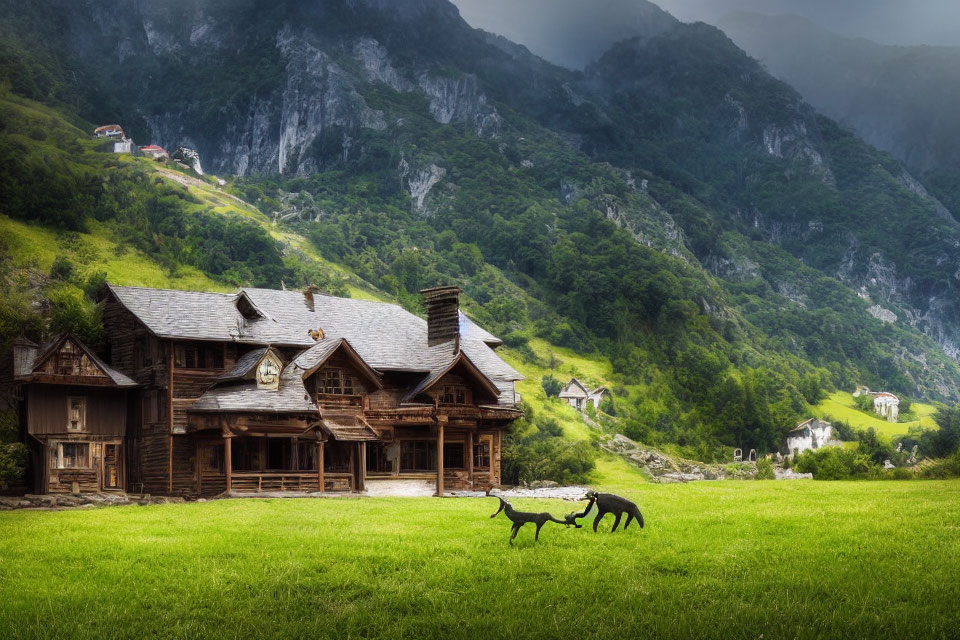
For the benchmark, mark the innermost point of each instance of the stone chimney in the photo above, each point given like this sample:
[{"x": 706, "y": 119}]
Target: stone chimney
[
  {"x": 443, "y": 314},
  {"x": 308, "y": 295}
]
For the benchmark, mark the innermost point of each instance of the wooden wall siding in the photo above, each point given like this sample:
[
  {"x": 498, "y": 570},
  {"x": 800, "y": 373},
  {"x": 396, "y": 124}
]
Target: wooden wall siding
[
  {"x": 188, "y": 385},
  {"x": 154, "y": 458},
  {"x": 122, "y": 329},
  {"x": 90, "y": 480},
  {"x": 61, "y": 480},
  {"x": 184, "y": 466},
  {"x": 384, "y": 399},
  {"x": 106, "y": 410}
]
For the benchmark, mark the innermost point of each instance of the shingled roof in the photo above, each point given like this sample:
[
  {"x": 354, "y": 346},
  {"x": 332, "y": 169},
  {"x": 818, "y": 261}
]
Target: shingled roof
[
  {"x": 291, "y": 397},
  {"x": 386, "y": 336}
]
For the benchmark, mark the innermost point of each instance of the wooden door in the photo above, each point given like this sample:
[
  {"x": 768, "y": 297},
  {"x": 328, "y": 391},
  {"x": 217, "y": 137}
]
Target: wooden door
[{"x": 111, "y": 466}]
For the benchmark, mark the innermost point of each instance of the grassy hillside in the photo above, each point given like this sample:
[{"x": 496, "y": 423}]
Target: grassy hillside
[
  {"x": 715, "y": 560},
  {"x": 842, "y": 406}
]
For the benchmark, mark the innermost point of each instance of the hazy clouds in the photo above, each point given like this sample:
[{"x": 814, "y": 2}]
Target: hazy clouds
[
  {"x": 573, "y": 32},
  {"x": 887, "y": 21}
]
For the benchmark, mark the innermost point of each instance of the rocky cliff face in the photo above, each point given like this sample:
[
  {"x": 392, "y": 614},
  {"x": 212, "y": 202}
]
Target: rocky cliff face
[{"x": 302, "y": 105}]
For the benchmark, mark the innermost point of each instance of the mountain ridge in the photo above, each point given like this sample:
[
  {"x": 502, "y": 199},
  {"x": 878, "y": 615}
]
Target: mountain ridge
[{"x": 612, "y": 211}]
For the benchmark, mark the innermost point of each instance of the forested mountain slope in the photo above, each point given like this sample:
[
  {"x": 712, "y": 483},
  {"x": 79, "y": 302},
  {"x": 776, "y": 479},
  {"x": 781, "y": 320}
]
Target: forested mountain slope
[
  {"x": 674, "y": 209},
  {"x": 901, "y": 99}
]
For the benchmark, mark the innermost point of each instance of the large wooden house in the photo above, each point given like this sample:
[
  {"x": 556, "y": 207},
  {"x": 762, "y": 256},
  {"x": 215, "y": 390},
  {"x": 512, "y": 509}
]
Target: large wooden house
[{"x": 266, "y": 390}]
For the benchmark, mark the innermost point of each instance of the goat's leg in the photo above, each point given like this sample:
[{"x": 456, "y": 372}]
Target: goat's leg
[
  {"x": 616, "y": 522},
  {"x": 536, "y": 536},
  {"x": 597, "y": 520},
  {"x": 516, "y": 528},
  {"x": 629, "y": 520}
]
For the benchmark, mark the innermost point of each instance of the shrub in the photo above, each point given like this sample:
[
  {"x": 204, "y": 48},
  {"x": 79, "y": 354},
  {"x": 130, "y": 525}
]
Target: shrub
[
  {"x": 607, "y": 406},
  {"x": 62, "y": 268},
  {"x": 551, "y": 386},
  {"x": 837, "y": 463},
  {"x": 765, "y": 469}
]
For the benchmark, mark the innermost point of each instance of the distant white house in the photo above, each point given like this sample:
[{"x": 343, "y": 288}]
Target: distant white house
[
  {"x": 809, "y": 434},
  {"x": 886, "y": 405},
  {"x": 154, "y": 151},
  {"x": 113, "y": 131},
  {"x": 577, "y": 395}
]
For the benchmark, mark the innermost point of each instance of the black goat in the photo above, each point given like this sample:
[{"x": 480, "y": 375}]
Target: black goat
[{"x": 520, "y": 518}]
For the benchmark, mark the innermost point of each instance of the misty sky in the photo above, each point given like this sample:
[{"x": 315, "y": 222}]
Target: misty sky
[
  {"x": 887, "y": 21},
  {"x": 906, "y": 22}
]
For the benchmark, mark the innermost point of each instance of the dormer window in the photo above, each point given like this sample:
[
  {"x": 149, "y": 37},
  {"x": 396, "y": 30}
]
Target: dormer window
[
  {"x": 247, "y": 309},
  {"x": 335, "y": 381}
]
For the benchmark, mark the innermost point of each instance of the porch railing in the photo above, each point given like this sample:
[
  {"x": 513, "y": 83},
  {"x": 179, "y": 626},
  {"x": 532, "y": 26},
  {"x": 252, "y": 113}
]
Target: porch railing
[{"x": 256, "y": 482}]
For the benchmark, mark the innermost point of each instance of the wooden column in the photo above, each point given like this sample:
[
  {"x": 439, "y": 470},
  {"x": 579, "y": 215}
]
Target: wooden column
[
  {"x": 170, "y": 421},
  {"x": 363, "y": 466},
  {"x": 353, "y": 469},
  {"x": 495, "y": 458},
  {"x": 228, "y": 461},
  {"x": 440, "y": 459},
  {"x": 468, "y": 452},
  {"x": 199, "y": 466},
  {"x": 320, "y": 465}
]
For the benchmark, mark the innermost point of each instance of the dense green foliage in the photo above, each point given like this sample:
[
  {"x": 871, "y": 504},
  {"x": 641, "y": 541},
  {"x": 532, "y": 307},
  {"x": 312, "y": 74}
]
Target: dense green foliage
[{"x": 536, "y": 450}]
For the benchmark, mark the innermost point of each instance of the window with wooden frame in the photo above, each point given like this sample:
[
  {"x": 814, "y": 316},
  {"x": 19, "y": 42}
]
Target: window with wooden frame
[
  {"x": 144, "y": 356},
  {"x": 418, "y": 455},
  {"x": 70, "y": 455},
  {"x": 198, "y": 356},
  {"x": 452, "y": 394},
  {"x": 481, "y": 455},
  {"x": 335, "y": 381},
  {"x": 76, "y": 413},
  {"x": 453, "y": 455},
  {"x": 68, "y": 360}
]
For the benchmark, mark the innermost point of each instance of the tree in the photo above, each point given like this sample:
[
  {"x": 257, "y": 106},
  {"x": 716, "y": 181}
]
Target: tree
[{"x": 551, "y": 386}]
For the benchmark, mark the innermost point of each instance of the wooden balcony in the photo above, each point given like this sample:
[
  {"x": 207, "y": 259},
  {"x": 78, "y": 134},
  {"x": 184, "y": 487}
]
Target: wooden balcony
[{"x": 341, "y": 402}]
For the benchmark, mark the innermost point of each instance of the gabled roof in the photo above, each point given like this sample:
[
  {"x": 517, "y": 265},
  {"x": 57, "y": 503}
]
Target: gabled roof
[
  {"x": 807, "y": 423},
  {"x": 565, "y": 392},
  {"x": 315, "y": 357},
  {"x": 470, "y": 329},
  {"x": 245, "y": 364},
  {"x": 385, "y": 336},
  {"x": 461, "y": 359},
  {"x": 118, "y": 379}
]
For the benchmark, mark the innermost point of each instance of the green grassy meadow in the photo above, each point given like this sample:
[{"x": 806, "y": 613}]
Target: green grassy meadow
[
  {"x": 841, "y": 405},
  {"x": 719, "y": 560}
]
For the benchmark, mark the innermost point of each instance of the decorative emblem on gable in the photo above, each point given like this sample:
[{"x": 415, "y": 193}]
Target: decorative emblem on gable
[{"x": 268, "y": 372}]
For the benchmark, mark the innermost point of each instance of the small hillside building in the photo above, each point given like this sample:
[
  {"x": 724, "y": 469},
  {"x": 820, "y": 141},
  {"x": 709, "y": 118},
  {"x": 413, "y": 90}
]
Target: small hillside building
[
  {"x": 578, "y": 395},
  {"x": 112, "y": 131},
  {"x": 886, "y": 405},
  {"x": 809, "y": 434},
  {"x": 154, "y": 152}
]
